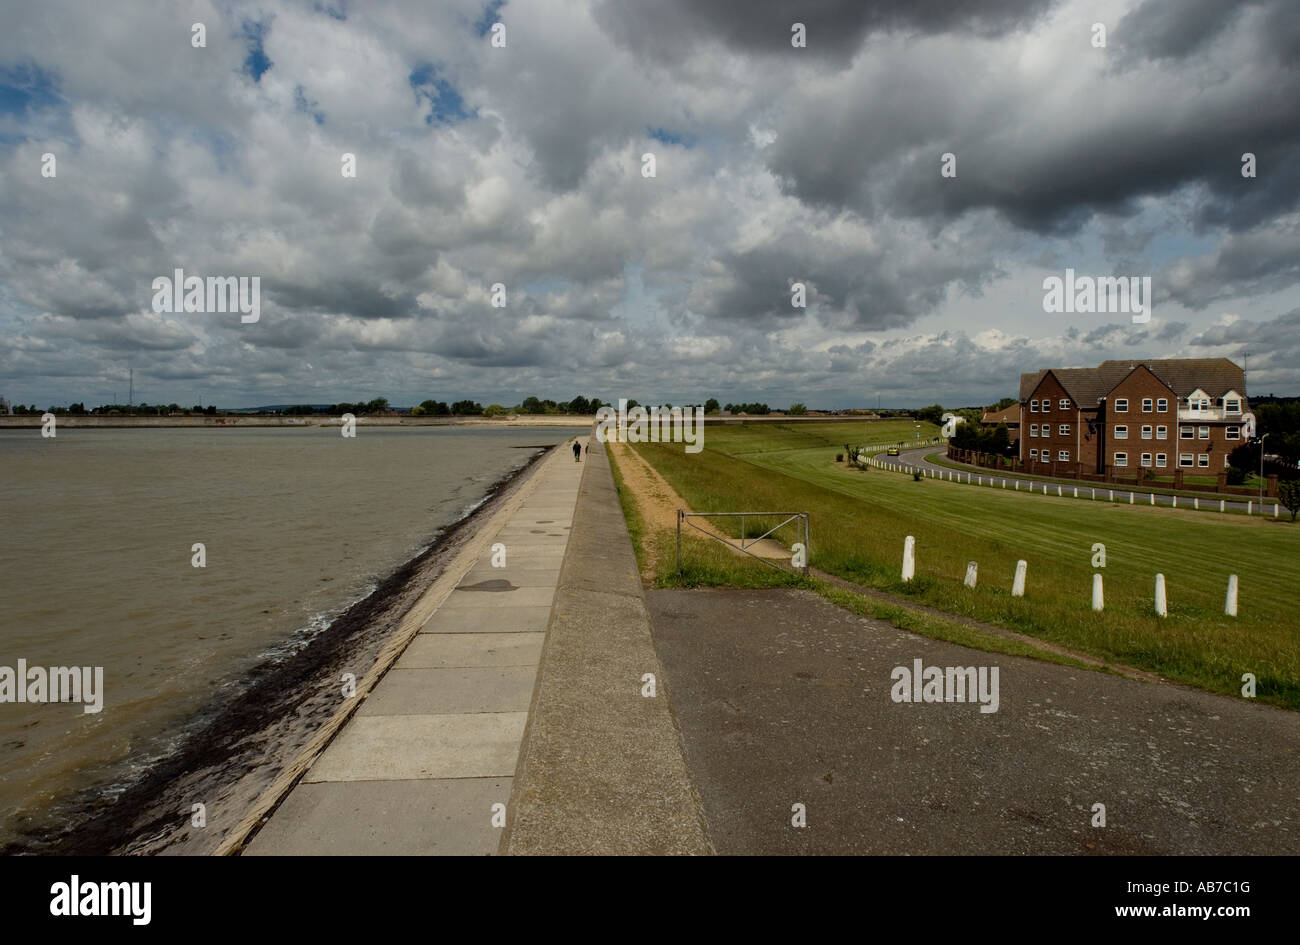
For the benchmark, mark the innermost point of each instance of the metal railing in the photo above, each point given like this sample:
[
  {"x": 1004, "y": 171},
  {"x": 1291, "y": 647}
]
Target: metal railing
[{"x": 684, "y": 516}]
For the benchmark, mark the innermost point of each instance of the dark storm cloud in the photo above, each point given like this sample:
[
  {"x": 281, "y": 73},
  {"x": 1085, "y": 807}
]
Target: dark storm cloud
[
  {"x": 667, "y": 29},
  {"x": 1161, "y": 29},
  {"x": 1136, "y": 131}
]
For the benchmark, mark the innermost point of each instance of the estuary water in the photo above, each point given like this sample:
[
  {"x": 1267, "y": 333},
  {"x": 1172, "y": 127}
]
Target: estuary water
[{"x": 98, "y": 530}]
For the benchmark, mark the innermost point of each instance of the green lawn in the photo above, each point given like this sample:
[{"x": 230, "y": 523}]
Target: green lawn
[{"x": 859, "y": 521}]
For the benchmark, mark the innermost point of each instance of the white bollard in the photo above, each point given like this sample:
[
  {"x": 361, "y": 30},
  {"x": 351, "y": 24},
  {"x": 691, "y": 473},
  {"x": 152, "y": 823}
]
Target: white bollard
[
  {"x": 1094, "y": 493},
  {"x": 1250, "y": 506},
  {"x": 1044, "y": 490},
  {"x": 909, "y": 558},
  {"x": 1196, "y": 504},
  {"x": 1017, "y": 485},
  {"x": 1162, "y": 604},
  {"x": 1275, "y": 510},
  {"x": 1058, "y": 491},
  {"x": 1230, "y": 603},
  {"x": 1076, "y": 492},
  {"x": 1221, "y": 505},
  {"x": 1153, "y": 498},
  {"x": 1097, "y": 601},
  {"x": 1130, "y": 498},
  {"x": 972, "y": 573},
  {"x": 1018, "y": 585},
  {"x": 1174, "y": 503}
]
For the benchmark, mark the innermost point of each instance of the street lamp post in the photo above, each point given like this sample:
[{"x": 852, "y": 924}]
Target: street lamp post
[{"x": 1261, "y": 471}]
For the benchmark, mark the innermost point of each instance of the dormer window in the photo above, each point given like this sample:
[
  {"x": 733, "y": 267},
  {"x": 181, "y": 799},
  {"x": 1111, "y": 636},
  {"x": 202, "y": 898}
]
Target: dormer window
[
  {"x": 1232, "y": 402},
  {"x": 1198, "y": 400}
]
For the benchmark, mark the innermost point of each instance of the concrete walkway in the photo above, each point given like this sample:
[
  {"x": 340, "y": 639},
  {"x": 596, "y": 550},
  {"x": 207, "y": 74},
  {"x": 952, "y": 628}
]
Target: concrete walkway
[{"x": 420, "y": 766}]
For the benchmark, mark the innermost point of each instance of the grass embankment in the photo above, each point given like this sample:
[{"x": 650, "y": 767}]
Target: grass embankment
[{"x": 859, "y": 521}]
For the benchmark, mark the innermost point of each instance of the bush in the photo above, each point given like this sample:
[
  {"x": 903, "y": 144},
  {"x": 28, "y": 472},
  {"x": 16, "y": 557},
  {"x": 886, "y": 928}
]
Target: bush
[
  {"x": 839, "y": 457},
  {"x": 1236, "y": 475},
  {"x": 916, "y": 475}
]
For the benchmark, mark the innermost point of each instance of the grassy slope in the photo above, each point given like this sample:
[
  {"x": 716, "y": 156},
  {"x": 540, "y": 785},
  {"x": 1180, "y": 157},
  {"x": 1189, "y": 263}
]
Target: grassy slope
[{"x": 859, "y": 520}]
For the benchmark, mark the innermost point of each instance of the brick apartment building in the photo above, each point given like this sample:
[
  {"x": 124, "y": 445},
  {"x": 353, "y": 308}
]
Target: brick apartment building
[{"x": 1124, "y": 417}]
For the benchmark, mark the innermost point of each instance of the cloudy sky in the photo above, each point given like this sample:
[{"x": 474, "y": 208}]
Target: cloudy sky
[{"x": 522, "y": 164}]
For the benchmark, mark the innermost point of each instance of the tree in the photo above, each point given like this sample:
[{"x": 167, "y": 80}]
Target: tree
[
  {"x": 711, "y": 405},
  {"x": 435, "y": 408},
  {"x": 1004, "y": 403},
  {"x": 493, "y": 410},
  {"x": 466, "y": 408},
  {"x": 932, "y": 414},
  {"x": 581, "y": 406},
  {"x": 798, "y": 410},
  {"x": 418, "y": 411},
  {"x": 531, "y": 405},
  {"x": 378, "y": 405},
  {"x": 1288, "y": 492}
]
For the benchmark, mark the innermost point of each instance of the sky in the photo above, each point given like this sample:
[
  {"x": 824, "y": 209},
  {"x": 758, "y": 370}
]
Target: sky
[{"x": 515, "y": 154}]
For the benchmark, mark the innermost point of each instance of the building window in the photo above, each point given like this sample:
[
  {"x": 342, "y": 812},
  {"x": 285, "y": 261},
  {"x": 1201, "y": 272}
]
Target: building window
[
  {"x": 1162, "y": 433},
  {"x": 1033, "y": 406},
  {"x": 1063, "y": 455},
  {"x": 1146, "y": 459},
  {"x": 1121, "y": 405},
  {"x": 1184, "y": 459},
  {"x": 1121, "y": 431},
  {"x": 1232, "y": 406},
  {"x": 1146, "y": 432},
  {"x": 1064, "y": 429},
  {"x": 1162, "y": 406},
  {"x": 1160, "y": 460},
  {"x": 1033, "y": 454},
  {"x": 1202, "y": 403},
  {"x": 1146, "y": 404},
  {"x": 1203, "y": 459},
  {"x": 1033, "y": 429},
  {"x": 1065, "y": 404},
  {"x": 1186, "y": 433},
  {"x": 1121, "y": 459},
  {"x": 1205, "y": 433},
  {"x": 1234, "y": 433}
]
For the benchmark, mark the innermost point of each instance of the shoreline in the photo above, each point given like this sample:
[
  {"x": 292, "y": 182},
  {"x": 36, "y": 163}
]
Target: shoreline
[
  {"x": 230, "y": 752},
  {"x": 82, "y": 422}
]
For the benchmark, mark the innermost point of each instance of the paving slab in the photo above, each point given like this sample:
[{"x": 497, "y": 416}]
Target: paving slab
[
  {"x": 448, "y": 650},
  {"x": 491, "y": 594},
  {"x": 519, "y": 577},
  {"x": 396, "y": 747},
  {"x": 438, "y": 691},
  {"x": 448, "y": 817},
  {"x": 489, "y": 620}
]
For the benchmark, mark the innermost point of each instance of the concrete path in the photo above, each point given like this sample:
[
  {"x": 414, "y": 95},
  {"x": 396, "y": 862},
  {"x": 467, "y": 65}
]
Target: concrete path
[
  {"x": 1102, "y": 492},
  {"x": 419, "y": 767},
  {"x": 604, "y": 771}
]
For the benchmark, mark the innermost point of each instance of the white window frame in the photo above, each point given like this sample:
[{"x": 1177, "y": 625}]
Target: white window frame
[
  {"x": 1033, "y": 406},
  {"x": 1033, "y": 429},
  {"x": 1233, "y": 433},
  {"x": 1203, "y": 433},
  {"x": 1162, "y": 460},
  {"x": 1203, "y": 460},
  {"x": 1121, "y": 400},
  {"x": 1146, "y": 404},
  {"x": 1162, "y": 433},
  {"x": 1233, "y": 405},
  {"x": 1162, "y": 405},
  {"x": 1146, "y": 431},
  {"x": 1191, "y": 460},
  {"x": 1062, "y": 456},
  {"x": 1063, "y": 429},
  {"x": 1033, "y": 454},
  {"x": 1121, "y": 431},
  {"x": 1186, "y": 432},
  {"x": 1121, "y": 459},
  {"x": 1146, "y": 460},
  {"x": 1064, "y": 404}
]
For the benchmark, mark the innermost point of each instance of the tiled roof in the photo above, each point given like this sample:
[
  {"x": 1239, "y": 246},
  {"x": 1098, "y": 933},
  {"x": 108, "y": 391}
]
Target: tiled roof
[
  {"x": 1215, "y": 376},
  {"x": 1009, "y": 415}
]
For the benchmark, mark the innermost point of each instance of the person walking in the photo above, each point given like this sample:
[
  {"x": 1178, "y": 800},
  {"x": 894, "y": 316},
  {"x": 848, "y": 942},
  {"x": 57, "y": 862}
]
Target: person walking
[{"x": 577, "y": 451}]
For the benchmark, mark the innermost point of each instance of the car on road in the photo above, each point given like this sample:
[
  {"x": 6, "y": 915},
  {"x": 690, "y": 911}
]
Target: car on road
[{"x": 892, "y": 451}]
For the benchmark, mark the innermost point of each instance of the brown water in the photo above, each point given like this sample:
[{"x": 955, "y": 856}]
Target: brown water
[{"x": 96, "y": 531}]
